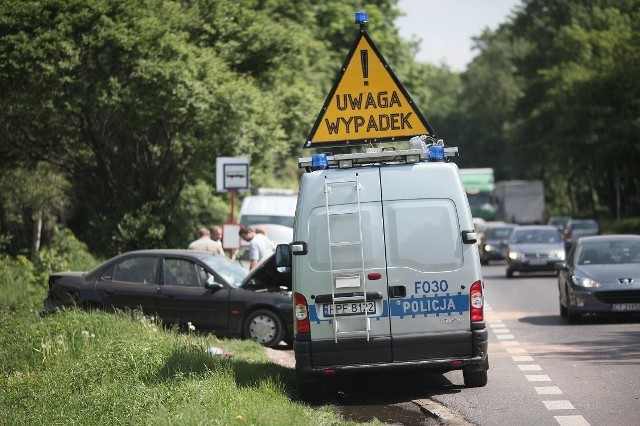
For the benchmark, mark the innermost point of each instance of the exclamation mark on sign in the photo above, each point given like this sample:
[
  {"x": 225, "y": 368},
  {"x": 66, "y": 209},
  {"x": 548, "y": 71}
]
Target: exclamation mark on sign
[{"x": 364, "y": 58}]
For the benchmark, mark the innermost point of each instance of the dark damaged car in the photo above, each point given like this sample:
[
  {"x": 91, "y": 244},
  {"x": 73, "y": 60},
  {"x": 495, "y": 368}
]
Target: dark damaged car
[{"x": 185, "y": 286}]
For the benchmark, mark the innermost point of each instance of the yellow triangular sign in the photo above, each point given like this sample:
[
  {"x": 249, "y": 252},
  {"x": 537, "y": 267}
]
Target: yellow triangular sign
[{"x": 367, "y": 104}]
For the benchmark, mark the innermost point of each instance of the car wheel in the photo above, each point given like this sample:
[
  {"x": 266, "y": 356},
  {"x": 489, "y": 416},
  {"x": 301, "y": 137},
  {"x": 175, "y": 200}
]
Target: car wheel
[
  {"x": 483, "y": 261},
  {"x": 475, "y": 379},
  {"x": 509, "y": 273},
  {"x": 265, "y": 327}
]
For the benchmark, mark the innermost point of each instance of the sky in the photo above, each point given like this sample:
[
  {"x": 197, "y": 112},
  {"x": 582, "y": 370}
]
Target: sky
[{"x": 446, "y": 26}]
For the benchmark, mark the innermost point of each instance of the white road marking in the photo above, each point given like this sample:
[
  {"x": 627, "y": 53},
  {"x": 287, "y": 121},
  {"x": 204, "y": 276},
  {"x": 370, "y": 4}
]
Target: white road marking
[
  {"x": 529, "y": 367},
  {"x": 505, "y": 336},
  {"x": 512, "y": 346},
  {"x": 560, "y": 404},
  {"x": 571, "y": 421},
  {"x": 538, "y": 378},
  {"x": 548, "y": 390},
  {"x": 522, "y": 358}
]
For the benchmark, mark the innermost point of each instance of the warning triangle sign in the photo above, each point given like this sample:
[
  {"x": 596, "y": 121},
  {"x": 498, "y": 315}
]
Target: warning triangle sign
[{"x": 367, "y": 103}]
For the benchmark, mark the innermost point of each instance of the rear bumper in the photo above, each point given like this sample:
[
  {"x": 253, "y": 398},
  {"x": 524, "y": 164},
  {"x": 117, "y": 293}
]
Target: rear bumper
[{"x": 358, "y": 355}]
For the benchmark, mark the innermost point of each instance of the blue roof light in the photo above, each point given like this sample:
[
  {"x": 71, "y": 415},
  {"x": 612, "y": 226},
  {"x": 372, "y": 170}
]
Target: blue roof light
[
  {"x": 319, "y": 162},
  {"x": 361, "y": 17},
  {"x": 436, "y": 153}
]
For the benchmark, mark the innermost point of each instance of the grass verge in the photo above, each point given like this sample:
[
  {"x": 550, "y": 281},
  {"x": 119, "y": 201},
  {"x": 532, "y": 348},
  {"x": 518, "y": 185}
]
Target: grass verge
[{"x": 78, "y": 367}]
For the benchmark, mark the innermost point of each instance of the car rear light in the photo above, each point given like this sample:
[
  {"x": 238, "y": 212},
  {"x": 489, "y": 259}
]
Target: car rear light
[
  {"x": 476, "y": 302},
  {"x": 301, "y": 313}
]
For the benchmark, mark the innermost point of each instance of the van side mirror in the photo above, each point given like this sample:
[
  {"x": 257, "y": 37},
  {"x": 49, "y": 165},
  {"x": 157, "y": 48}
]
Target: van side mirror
[
  {"x": 469, "y": 237},
  {"x": 283, "y": 258}
]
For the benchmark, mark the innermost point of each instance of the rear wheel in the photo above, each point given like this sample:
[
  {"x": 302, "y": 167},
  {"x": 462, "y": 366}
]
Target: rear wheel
[
  {"x": 265, "y": 327},
  {"x": 475, "y": 379}
]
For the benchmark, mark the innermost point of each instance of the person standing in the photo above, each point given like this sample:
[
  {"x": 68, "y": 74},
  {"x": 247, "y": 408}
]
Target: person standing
[
  {"x": 260, "y": 247},
  {"x": 261, "y": 229},
  {"x": 205, "y": 243},
  {"x": 216, "y": 235}
]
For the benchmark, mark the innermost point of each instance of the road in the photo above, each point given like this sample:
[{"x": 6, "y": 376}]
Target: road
[{"x": 543, "y": 371}]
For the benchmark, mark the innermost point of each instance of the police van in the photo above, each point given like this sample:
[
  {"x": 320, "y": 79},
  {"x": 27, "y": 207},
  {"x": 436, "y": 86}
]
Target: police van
[
  {"x": 385, "y": 265},
  {"x": 384, "y": 261}
]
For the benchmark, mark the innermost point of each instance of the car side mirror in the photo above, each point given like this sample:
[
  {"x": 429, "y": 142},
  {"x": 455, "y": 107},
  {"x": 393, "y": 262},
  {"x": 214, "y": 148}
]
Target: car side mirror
[
  {"x": 283, "y": 258},
  {"x": 214, "y": 286}
]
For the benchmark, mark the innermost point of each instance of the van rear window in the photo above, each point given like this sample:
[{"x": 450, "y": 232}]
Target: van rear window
[{"x": 423, "y": 234}]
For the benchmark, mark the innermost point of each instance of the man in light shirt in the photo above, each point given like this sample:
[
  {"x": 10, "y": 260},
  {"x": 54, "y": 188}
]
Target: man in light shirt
[
  {"x": 205, "y": 243},
  {"x": 260, "y": 246}
]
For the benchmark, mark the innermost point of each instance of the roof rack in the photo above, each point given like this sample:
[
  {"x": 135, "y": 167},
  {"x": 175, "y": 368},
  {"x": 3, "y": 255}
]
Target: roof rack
[{"x": 376, "y": 156}]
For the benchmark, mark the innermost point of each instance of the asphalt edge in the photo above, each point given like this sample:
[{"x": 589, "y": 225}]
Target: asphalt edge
[{"x": 441, "y": 413}]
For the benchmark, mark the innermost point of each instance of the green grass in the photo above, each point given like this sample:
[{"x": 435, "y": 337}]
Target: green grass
[
  {"x": 87, "y": 368},
  {"x": 99, "y": 368}
]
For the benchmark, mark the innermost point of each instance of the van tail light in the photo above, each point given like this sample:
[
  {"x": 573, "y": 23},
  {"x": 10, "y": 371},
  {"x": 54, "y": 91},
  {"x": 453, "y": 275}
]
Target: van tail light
[
  {"x": 301, "y": 313},
  {"x": 476, "y": 302}
]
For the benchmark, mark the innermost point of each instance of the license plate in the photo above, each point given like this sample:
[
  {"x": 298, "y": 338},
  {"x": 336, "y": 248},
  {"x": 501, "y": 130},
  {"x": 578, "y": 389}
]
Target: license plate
[
  {"x": 350, "y": 308},
  {"x": 537, "y": 262},
  {"x": 625, "y": 307}
]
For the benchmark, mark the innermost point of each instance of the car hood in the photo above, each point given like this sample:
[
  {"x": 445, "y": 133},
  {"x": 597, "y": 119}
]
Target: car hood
[
  {"x": 496, "y": 241},
  {"x": 612, "y": 274},
  {"x": 536, "y": 248}
]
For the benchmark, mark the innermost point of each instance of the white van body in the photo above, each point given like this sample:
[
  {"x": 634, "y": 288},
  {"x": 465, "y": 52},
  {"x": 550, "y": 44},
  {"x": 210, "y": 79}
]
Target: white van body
[
  {"x": 269, "y": 208},
  {"x": 384, "y": 257}
]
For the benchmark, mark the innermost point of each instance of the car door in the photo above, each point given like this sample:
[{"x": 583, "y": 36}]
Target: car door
[
  {"x": 132, "y": 283},
  {"x": 345, "y": 261},
  {"x": 187, "y": 296},
  {"x": 429, "y": 281}
]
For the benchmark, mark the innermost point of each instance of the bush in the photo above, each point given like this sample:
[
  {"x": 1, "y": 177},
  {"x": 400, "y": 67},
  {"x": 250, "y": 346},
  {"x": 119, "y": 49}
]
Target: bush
[
  {"x": 625, "y": 226},
  {"x": 23, "y": 284}
]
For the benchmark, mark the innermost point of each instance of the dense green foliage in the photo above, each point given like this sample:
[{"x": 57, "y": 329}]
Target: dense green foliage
[
  {"x": 554, "y": 95},
  {"x": 113, "y": 113}
]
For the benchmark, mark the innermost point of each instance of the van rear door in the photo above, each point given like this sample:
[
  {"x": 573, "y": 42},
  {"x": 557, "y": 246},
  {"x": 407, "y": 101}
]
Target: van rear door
[
  {"x": 343, "y": 275},
  {"x": 429, "y": 269}
]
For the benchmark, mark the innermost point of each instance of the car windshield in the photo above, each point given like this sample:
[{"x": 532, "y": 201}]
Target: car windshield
[
  {"x": 537, "y": 236},
  {"x": 497, "y": 233},
  {"x": 583, "y": 225},
  {"x": 231, "y": 272},
  {"x": 609, "y": 252}
]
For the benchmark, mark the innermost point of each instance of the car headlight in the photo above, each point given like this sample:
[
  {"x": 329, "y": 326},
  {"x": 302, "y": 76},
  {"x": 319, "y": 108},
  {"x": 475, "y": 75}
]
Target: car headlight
[
  {"x": 514, "y": 255},
  {"x": 585, "y": 282},
  {"x": 557, "y": 254},
  {"x": 488, "y": 247}
]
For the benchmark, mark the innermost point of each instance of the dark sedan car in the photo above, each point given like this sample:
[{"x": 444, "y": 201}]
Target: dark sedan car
[
  {"x": 493, "y": 245},
  {"x": 185, "y": 286},
  {"x": 578, "y": 228},
  {"x": 601, "y": 275},
  {"x": 534, "y": 248}
]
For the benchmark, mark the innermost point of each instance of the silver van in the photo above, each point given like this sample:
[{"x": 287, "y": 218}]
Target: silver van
[{"x": 385, "y": 269}]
